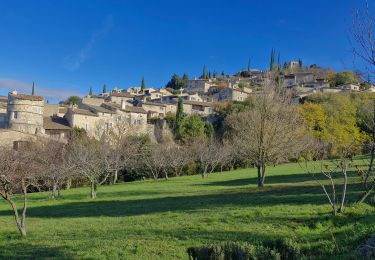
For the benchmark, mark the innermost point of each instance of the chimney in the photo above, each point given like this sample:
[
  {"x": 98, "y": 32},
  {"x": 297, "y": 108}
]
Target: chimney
[{"x": 123, "y": 104}]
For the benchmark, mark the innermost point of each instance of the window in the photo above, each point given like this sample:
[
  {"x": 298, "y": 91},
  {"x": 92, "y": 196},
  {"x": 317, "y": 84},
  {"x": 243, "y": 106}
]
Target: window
[{"x": 15, "y": 115}]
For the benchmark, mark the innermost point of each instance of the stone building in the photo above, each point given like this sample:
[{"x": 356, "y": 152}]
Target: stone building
[{"x": 25, "y": 113}]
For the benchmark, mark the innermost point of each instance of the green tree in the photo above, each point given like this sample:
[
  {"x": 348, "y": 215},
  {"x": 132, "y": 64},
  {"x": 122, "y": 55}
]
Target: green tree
[
  {"x": 104, "y": 88},
  {"x": 73, "y": 100},
  {"x": 33, "y": 89},
  {"x": 193, "y": 126},
  {"x": 143, "y": 84},
  {"x": 223, "y": 74},
  {"x": 90, "y": 92},
  {"x": 346, "y": 77},
  {"x": 272, "y": 62},
  {"x": 204, "y": 74},
  {"x": 216, "y": 75},
  {"x": 209, "y": 130},
  {"x": 300, "y": 64},
  {"x": 179, "y": 118}
]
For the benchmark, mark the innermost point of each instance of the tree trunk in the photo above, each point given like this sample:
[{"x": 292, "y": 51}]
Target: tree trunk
[
  {"x": 365, "y": 195},
  {"x": 54, "y": 191},
  {"x": 93, "y": 189},
  {"x": 68, "y": 183},
  {"x": 344, "y": 192},
  {"x": 259, "y": 175},
  {"x": 115, "y": 177}
]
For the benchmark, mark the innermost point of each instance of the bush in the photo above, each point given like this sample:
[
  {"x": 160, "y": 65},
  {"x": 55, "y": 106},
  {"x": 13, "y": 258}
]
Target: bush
[
  {"x": 287, "y": 248},
  {"x": 367, "y": 250},
  {"x": 279, "y": 249},
  {"x": 227, "y": 251}
]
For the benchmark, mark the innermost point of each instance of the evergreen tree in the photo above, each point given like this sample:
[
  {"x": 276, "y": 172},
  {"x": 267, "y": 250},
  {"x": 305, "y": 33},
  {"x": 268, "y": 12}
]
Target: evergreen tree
[
  {"x": 209, "y": 74},
  {"x": 104, "y": 88},
  {"x": 248, "y": 65},
  {"x": 33, "y": 89},
  {"x": 278, "y": 62},
  {"x": 185, "y": 79},
  {"x": 285, "y": 66},
  {"x": 223, "y": 74},
  {"x": 143, "y": 84},
  {"x": 179, "y": 118},
  {"x": 272, "y": 62},
  {"x": 204, "y": 75},
  {"x": 300, "y": 63},
  {"x": 216, "y": 75},
  {"x": 90, "y": 92}
]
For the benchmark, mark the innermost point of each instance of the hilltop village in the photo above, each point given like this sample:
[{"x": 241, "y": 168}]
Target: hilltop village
[{"x": 143, "y": 109}]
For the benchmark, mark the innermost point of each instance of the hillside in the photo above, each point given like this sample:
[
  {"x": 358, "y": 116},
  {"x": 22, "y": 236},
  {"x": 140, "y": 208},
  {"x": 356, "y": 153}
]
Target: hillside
[{"x": 159, "y": 220}]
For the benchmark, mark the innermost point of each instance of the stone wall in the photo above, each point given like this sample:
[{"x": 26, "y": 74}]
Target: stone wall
[
  {"x": 7, "y": 137},
  {"x": 25, "y": 115}
]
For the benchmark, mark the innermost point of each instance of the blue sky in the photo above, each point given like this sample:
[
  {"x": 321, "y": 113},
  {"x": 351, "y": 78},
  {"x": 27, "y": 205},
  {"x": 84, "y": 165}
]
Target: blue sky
[{"x": 68, "y": 46}]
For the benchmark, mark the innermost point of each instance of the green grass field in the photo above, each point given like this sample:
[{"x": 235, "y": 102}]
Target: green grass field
[{"x": 159, "y": 220}]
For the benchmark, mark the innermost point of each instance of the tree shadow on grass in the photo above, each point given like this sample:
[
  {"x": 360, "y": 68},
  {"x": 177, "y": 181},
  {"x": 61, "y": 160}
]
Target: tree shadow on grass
[
  {"x": 289, "y": 195},
  {"x": 273, "y": 179},
  {"x": 27, "y": 251}
]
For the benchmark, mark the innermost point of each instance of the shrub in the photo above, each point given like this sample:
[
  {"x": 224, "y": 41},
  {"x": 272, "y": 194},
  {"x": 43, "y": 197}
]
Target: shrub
[
  {"x": 287, "y": 248},
  {"x": 227, "y": 251},
  {"x": 279, "y": 249},
  {"x": 367, "y": 250}
]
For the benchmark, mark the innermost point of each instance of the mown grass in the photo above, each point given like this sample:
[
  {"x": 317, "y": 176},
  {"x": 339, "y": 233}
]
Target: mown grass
[{"x": 159, "y": 220}]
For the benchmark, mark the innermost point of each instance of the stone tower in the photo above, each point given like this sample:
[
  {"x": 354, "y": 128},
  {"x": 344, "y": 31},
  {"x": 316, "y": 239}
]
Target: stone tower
[{"x": 25, "y": 113}]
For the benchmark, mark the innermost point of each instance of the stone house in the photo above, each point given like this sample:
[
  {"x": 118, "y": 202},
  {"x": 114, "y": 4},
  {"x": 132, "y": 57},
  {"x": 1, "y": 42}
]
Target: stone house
[
  {"x": 3, "y": 111},
  {"x": 195, "y": 107},
  {"x": 230, "y": 94},
  {"x": 93, "y": 100},
  {"x": 56, "y": 127},
  {"x": 199, "y": 85},
  {"x": 25, "y": 113},
  {"x": 154, "y": 109},
  {"x": 118, "y": 97}
]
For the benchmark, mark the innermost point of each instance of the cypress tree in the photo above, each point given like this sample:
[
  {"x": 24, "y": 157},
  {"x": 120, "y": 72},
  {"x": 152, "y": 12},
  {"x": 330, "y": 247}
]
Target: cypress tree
[
  {"x": 143, "y": 84},
  {"x": 104, "y": 88},
  {"x": 33, "y": 89},
  {"x": 300, "y": 63},
  {"x": 278, "y": 62},
  {"x": 90, "y": 92},
  {"x": 272, "y": 63},
  {"x": 209, "y": 74},
  {"x": 248, "y": 65},
  {"x": 204, "y": 75},
  {"x": 179, "y": 118},
  {"x": 223, "y": 74}
]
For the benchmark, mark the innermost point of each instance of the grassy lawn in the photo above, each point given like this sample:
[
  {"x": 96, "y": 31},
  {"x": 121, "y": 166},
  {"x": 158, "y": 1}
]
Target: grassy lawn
[{"x": 159, "y": 220}]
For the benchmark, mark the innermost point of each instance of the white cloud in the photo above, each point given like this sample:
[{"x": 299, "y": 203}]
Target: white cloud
[
  {"x": 74, "y": 61},
  {"x": 8, "y": 84}
]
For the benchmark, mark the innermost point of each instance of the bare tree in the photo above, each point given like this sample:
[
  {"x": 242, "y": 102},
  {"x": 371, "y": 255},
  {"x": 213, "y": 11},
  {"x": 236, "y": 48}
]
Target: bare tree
[
  {"x": 268, "y": 132},
  {"x": 331, "y": 170},
  {"x": 363, "y": 34},
  {"x": 88, "y": 158},
  {"x": 56, "y": 171},
  {"x": 19, "y": 169},
  {"x": 154, "y": 159},
  {"x": 176, "y": 157},
  {"x": 208, "y": 155},
  {"x": 114, "y": 137},
  {"x": 366, "y": 169}
]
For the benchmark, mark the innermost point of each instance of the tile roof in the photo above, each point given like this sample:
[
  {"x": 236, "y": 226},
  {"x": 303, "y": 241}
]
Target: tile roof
[
  {"x": 122, "y": 94},
  {"x": 154, "y": 104},
  {"x": 198, "y": 103},
  {"x": 85, "y": 112},
  {"x": 55, "y": 123},
  {"x": 27, "y": 97},
  {"x": 133, "y": 109},
  {"x": 100, "y": 109}
]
